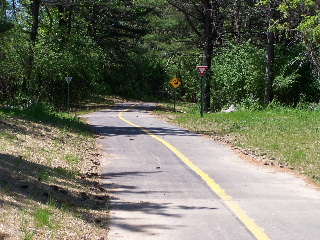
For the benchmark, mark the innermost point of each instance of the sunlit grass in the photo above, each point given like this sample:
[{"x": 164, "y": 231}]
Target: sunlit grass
[
  {"x": 286, "y": 135},
  {"x": 43, "y": 217},
  {"x": 71, "y": 158}
]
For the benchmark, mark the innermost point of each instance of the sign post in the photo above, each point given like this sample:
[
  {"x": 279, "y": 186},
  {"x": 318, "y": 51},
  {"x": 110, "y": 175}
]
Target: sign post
[
  {"x": 175, "y": 82},
  {"x": 202, "y": 70},
  {"x": 68, "y": 79}
]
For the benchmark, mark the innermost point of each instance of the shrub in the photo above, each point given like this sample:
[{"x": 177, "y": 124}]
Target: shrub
[{"x": 238, "y": 74}]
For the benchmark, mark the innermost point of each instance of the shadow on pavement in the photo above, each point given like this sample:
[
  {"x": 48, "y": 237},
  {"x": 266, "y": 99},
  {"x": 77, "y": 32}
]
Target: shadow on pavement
[{"x": 163, "y": 208}]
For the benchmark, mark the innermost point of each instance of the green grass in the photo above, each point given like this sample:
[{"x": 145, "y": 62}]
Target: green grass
[
  {"x": 289, "y": 136},
  {"x": 43, "y": 113},
  {"x": 71, "y": 158},
  {"x": 28, "y": 235},
  {"x": 43, "y": 175},
  {"x": 43, "y": 217}
]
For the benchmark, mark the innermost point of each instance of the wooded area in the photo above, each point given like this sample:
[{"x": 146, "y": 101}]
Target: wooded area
[{"x": 258, "y": 51}]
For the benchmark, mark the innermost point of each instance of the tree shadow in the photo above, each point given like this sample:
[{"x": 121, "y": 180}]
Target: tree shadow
[
  {"x": 4, "y": 236},
  {"x": 110, "y": 131},
  {"x": 130, "y": 107},
  {"x": 39, "y": 113},
  {"x": 165, "y": 108},
  {"x": 23, "y": 180},
  {"x": 112, "y": 180},
  {"x": 131, "y": 130},
  {"x": 94, "y": 103},
  {"x": 119, "y": 203}
]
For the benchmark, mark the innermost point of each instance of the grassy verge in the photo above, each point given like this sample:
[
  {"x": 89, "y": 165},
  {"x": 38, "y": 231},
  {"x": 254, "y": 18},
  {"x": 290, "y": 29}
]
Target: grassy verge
[
  {"x": 284, "y": 137},
  {"x": 49, "y": 162},
  {"x": 49, "y": 177}
]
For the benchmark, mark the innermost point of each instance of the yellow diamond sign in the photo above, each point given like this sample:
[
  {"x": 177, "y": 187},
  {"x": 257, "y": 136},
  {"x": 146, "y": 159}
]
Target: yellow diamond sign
[{"x": 175, "y": 82}]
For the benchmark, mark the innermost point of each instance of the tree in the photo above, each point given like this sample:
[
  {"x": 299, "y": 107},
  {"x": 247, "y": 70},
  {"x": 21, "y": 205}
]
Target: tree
[
  {"x": 5, "y": 23},
  {"x": 92, "y": 40},
  {"x": 205, "y": 21},
  {"x": 117, "y": 24},
  {"x": 270, "y": 55},
  {"x": 302, "y": 21}
]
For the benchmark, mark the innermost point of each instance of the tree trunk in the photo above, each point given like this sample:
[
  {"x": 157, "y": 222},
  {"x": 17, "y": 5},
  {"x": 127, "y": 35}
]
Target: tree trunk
[
  {"x": 69, "y": 22},
  {"x": 208, "y": 47},
  {"x": 35, "y": 21},
  {"x": 209, "y": 36},
  {"x": 270, "y": 59},
  {"x": 35, "y": 7},
  {"x": 237, "y": 21},
  {"x": 208, "y": 16}
]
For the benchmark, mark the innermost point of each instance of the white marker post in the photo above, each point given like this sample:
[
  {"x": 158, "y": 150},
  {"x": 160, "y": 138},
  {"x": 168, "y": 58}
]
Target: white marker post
[{"x": 68, "y": 79}]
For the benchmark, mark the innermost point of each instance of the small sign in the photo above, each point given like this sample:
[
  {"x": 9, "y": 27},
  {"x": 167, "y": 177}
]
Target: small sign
[
  {"x": 175, "y": 82},
  {"x": 68, "y": 79},
  {"x": 202, "y": 70}
]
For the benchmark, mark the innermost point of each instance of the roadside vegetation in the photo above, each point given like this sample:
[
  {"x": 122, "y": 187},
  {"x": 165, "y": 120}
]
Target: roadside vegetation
[
  {"x": 275, "y": 136},
  {"x": 49, "y": 161},
  {"x": 258, "y": 53},
  {"x": 49, "y": 185}
]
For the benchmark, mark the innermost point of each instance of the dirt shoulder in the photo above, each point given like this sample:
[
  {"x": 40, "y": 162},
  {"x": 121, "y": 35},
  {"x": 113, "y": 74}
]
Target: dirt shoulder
[{"x": 49, "y": 185}]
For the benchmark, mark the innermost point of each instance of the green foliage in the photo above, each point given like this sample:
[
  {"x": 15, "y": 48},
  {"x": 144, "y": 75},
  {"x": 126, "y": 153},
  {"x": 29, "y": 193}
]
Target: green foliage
[
  {"x": 310, "y": 28},
  {"x": 238, "y": 75},
  {"x": 134, "y": 48},
  {"x": 43, "y": 112},
  {"x": 308, "y": 24},
  {"x": 287, "y": 6},
  {"x": 79, "y": 58},
  {"x": 172, "y": 42},
  {"x": 13, "y": 58},
  {"x": 283, "y": 85},
  {"x": 5, "y": 23},
  {"x": 93, "y": 45},
  {"x": 183, "y": 66},
  {"x": 118, "y": 24},
  {"x": 140, "y": 76},
  {"x": 301, "y": 18},
  {"x": 5, "y": 26},
  {"x": 294, "y": 78}
]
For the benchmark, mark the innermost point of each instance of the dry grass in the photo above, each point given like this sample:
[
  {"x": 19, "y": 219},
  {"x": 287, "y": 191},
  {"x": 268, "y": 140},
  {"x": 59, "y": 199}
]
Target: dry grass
[{"x": 49, "y": 182}]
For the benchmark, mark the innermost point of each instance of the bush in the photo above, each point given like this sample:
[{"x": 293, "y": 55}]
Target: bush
[
  {"x": 238, "y": 76},
  {"x": 43, "y": 79},
  {"x": 295, "y": 80}
]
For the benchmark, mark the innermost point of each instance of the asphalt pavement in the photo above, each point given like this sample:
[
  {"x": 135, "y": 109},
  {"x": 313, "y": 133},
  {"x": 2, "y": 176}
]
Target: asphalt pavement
[{"x": 169, "y": 183}]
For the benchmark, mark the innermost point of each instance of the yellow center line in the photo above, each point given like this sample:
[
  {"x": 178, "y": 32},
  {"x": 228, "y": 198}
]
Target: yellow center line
[{"x": 233, "y": 206}]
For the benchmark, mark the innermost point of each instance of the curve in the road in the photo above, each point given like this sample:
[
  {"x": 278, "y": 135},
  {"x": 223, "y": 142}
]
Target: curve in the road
[{"x": 232, "y": 205}]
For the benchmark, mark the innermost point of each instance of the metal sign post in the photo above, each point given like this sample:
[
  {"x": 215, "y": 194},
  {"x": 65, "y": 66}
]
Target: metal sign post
[
  {"x": 202, "y": 90},
  {"x": 202, "y": 70},
  {"x": 175, "y": 100},
  {"x": 175, "y": 82},
  {"x": 68, "y": 79}
]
